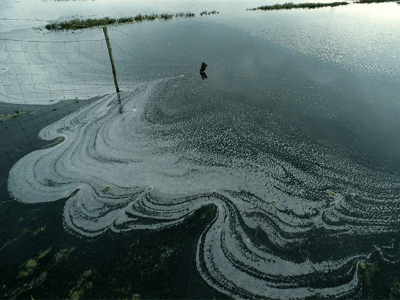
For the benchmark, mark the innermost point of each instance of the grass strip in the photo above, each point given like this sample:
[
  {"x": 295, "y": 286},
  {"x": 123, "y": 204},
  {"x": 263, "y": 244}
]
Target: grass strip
[
  {"x": 291, "y": 5},
  {"x": 76, "y": 24},
  {"x": 375, "y": 1},
  {"x": 206, "y": 13},
  {"x": 79, "y": 24}
]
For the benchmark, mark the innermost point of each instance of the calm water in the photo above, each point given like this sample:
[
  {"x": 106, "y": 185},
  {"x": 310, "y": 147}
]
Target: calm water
[{"x": 284, "y": 161}]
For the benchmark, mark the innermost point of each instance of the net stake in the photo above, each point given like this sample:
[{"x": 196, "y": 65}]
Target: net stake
[{"x": 111, "y": 58}]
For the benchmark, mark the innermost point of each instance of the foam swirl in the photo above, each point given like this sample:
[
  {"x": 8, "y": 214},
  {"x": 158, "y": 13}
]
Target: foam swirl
[{"x": 133, "y": 162}]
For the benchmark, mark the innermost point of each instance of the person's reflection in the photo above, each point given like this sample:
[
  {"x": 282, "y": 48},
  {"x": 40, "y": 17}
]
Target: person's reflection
[{"x": 202, "y": 70}]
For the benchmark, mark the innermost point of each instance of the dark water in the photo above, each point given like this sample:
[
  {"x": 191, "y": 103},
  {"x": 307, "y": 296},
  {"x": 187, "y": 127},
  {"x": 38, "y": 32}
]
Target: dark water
[{"x": 275, "y": 177}]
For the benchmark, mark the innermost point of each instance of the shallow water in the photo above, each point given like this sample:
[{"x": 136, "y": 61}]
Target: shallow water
[{"x": 292, "y": 138}]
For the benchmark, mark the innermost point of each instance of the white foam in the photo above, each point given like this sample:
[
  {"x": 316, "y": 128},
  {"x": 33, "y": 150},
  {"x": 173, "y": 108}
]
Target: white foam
[{"x": 130, "y": 174}]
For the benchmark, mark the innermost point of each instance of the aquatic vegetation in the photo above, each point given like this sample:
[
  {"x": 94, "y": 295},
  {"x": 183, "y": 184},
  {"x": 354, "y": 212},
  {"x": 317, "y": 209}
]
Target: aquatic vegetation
[
  {"x": 291, "y": 5},
  {"x": 34, "y": 272},
  {"x": 81, "y": 286},
  {"x": 7, "y": 117},
  {"x": 166, "y": 254},
  {"x": 8, "y": 243},
  {"x": 106, "y": 190},
  {"x": 374, "y": 1},
  {"x": 395, "y": 290},
  {"x": 17, "y": 113},
  {"x": 376, "y": 248},
  {"x": 367, "y": 271},
  {"x": 186, "y": 15},
  {"x": 125, "y": 20},
  {"x": 63, "y": 254},
  {"x": 139, "y": 18},
  {"x": 88, "y": 23},
  {"x": 10, "y": 116},
  {"x": 32, "y": 263},
  {"x": 205, "y": 13},
  {"x": 166, "y": 16},
  {"x": 44, "y": 253},
  {"x": 151, "y": 17},
  {"x": 57, "y": 141},
  {"x": 362, "y": 265},
  {"x": 80, "y": 24},
  {"x": 33, "y": 232},
  {"x": 331, "y": 193}
]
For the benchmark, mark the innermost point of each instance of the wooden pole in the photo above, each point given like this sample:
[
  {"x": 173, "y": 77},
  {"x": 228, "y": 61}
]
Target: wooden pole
[{"x": 111, "y": 58}]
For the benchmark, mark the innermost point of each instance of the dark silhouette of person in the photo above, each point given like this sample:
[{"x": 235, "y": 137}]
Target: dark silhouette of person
[{"x": 202, "y": 70}]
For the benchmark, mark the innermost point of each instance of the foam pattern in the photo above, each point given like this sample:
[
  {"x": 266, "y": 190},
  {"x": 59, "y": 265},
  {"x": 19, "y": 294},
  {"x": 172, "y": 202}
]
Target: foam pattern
[{"x": 136, "y": 161}]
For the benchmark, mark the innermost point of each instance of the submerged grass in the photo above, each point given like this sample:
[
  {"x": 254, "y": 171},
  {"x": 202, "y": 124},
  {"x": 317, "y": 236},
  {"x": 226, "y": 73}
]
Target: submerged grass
[
  {"x": 166, "y": 16},
  {"x": 79, "y": 24},
  {"x": 375, "y": 1},
  {"x": 125, "y": 20},
  {"x": 205, "y": 13},
  {"x": 185, "y": 15},
  {"x": 291, "y": 5},
  {"x": 88, "y": 23}
]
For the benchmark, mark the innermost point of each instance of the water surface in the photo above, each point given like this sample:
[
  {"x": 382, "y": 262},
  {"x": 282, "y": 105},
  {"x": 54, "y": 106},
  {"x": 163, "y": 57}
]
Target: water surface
[{"x": 292, "y": 140}]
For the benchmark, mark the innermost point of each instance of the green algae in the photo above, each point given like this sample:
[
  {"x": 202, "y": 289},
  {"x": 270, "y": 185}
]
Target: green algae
[
  {"x": 75, "y": 193},
  {"x": 9, "y": 242},
  {"x": 395, "y": 290},
  {"x": 10, "y": 116},
  {"x": 106, "y": 190},
  {"x": 332, "y": 193},
  {"x": 368, "y": 271},
  {"x": 136, "y": 297},
  {"x": 81, "y": 286},
  {"x": 33, "y": 232},
  {"x": 362, "y": 265},
  {"x": 32, "y": 263},
  {"x": 44, "y": 253},
  {"x": 63, "y": 254},
  {"x": 16, "y": 114},
  {"x": 34, "y": 272},
  {"x": 376, "y": 248},
  {"x": 167, "y": 253}
]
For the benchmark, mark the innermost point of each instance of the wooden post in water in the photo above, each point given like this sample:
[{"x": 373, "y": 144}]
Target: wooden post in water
[{"x": 111, "y": 58}]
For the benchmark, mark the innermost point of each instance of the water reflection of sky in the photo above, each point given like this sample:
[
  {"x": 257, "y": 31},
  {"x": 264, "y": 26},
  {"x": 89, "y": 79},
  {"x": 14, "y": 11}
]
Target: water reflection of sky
[{"x": 361, "y": 36}]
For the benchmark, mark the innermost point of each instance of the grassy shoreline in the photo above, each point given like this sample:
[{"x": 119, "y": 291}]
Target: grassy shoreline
[
  {"x": 291, "y": 5},
  {"x": 76, "y": 24}
]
